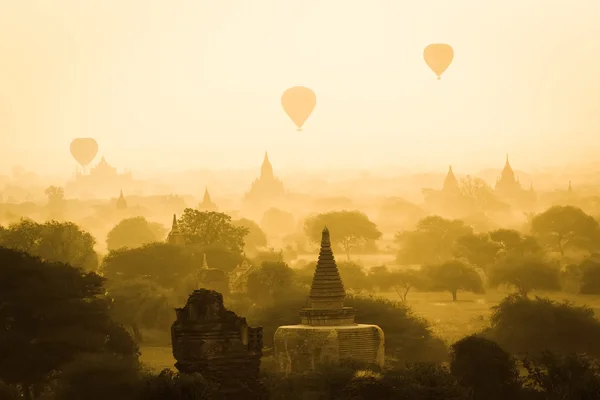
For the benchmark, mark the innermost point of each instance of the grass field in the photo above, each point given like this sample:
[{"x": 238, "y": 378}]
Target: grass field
[{"x": 449, "y": 320}]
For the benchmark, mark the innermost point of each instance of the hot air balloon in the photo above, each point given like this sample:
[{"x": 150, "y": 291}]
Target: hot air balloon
[
  {"x": 84, "y": 150},
  {"x": 438, "y": 57},
  {"x": 298, "y": 103}
]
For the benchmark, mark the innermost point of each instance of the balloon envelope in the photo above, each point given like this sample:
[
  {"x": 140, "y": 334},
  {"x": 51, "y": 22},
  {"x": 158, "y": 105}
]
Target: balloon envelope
[
  {"x": 84, "y": 150},
  {"x": 438, "y": 57},
  {"x": 298, "y": 103}
]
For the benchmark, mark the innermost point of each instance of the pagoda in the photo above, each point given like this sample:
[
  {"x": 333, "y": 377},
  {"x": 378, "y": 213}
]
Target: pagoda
[
  {"x": 327, "y": 332},
  {"x": 175, "y": 237},
  {"x": 207, "y": 204}
]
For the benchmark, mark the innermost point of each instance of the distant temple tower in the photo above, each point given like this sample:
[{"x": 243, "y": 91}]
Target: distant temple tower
[
  {"x": 175, "y": 237},
  {"x": 121, "y": 203},
  {"x": 450, "y": 183},
  {"x": 207, "y": 204},
  {"x": 507, "y": 184},
  {"x": 509, "y": 189},
  {"x": 267, "y": 188},
  {"x": 327, "y": 332}
]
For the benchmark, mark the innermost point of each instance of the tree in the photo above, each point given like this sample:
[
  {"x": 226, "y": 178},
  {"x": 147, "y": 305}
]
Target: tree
[
  {"x": 141, "y": 303},
  {"x": 277, "y": 222},
  {"x": 477, "y": 249},
  {"x": 403, "y": 281},
  {"x": 99, "y": 377},
  {"x": 526, "y": 274},
  {"x": 210, "y": 228},
  {"x": 564, "y": 227},
  {"x": 51, "y": 312},
  {"x": 589, "y": 271},
  {"x": 255, "y": 237},
  {"x": 513, "y": 244},
  {"x": 487, "y": 369},
  {"x": 53, "y": 241},
  {"x": 134, "y": 232},
  {"x": 272, "y": 280},
  {"x": 349, "y": 229},
  {"x": 432, "y": 242},
  {"x": 532, "y": 326},
  {"x": 572, "y": 376},
  {"x": 56, "y": 201},
  {"x": 163, "y": 263},
  {"x": 453, "y": 276}
]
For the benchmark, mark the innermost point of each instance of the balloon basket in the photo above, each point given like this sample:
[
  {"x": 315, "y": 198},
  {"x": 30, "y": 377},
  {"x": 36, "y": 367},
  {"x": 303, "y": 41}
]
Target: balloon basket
[
  {"x": 439, "y": 77},
  {"x": 299, "y": 130}
]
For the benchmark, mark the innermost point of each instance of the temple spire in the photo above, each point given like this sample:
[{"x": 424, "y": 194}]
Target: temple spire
[
  {"x": 121, "y": 203},
  {"x": 206, "y": 198},
  {"x": 327, "y": 290},
  {"x": 450, "y": 183},
  {"x": 175, "y": 237},
  {"x": 266, "y": 170},
  {"x": 570, "y": 187}
]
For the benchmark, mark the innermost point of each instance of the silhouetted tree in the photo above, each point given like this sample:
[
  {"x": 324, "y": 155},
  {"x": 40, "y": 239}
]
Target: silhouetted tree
[
  {"x": 51, "y": 312},
  {"x": 171, "y": 385},
  {"x": 99, "y": 377},
  {"x": 134, "y": 232},
  {"x": 513, "y": 244},
  {"x": 452, "y": 276},
  {"x": 531, "y": 326},
  {"x": 255, "y": 237},
  {"x": 432, "y": 241},
  {"x": 405, "y": 280},
  {"x": 56, "y": 201},
  {"x": 563, "y": 227},
  {"x": 277, "y": 222},
  {"x": 526, "y": 274},
  {"x": 477, "y": 249},
  {"x": 53, "y": 241},
  {"x": 271, "y": 281},
  {"x": 141, "y": 303},
  {"x": 162, "y": 263},
  {"x": 589, "y": 273},
  {"x": 572, "y": 376},
  {"x": 483, "y": 366},
  {"x": 349, "y": 229},
  {"x": 206, "y": 229}
]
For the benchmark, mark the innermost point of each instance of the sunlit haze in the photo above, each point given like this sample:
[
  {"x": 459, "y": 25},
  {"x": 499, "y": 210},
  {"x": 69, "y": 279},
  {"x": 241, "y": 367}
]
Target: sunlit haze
[{"x": 177, "y": 85}]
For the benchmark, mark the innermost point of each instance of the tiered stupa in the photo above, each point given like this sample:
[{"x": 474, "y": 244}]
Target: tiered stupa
[
  {"x": 175, "y": 237},
  {"x": 327, "y": 333}
]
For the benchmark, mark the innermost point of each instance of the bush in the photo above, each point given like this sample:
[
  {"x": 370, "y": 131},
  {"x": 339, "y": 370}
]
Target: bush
[
  {"x": 407, "y": 336},
  {"x": 483, "y": 366},
  {"x": 523, "y": 326},
  {"x": 99, "y": 377}
]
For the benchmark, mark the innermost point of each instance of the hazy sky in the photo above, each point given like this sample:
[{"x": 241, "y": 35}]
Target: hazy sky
[{"x": 184, "y": 84}]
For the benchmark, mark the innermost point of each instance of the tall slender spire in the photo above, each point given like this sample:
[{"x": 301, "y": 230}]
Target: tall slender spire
[
  {"x": 450, "y": 183},
  {"x": 570, "y": 187},
  {"x": 121, "y": 203},
  {"x": 206, "y": 198},
  {"x": 266, "y": 170},
  {"x": 327, "y": 290},
  {"x": 175, "y": 237}
]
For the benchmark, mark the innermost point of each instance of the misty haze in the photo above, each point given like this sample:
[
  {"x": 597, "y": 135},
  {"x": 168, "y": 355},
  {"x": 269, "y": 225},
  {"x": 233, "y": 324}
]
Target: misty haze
[{"x": 299, "y": 200}]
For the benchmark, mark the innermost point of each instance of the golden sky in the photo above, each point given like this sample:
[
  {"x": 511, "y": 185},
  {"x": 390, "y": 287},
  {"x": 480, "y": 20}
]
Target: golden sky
[{"x": 184, "y": 84}]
